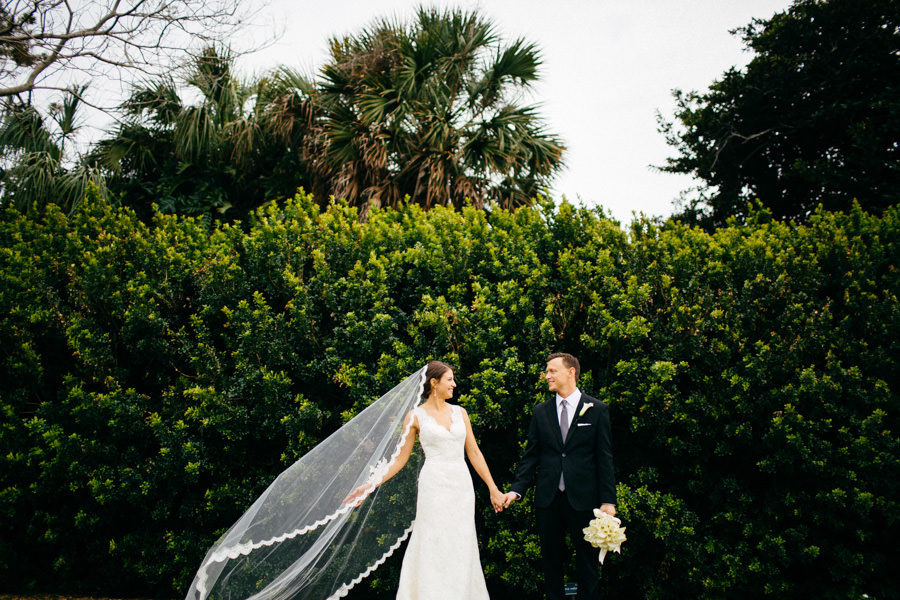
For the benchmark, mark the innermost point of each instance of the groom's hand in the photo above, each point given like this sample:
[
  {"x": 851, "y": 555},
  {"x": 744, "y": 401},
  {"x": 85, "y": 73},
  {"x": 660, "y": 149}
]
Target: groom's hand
[
  {"x": 609, "y": 509},
  {"x": 509, "y": 498}
]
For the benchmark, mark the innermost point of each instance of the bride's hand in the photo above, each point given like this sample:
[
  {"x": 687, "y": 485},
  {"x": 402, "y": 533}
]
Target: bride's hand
[
  {"x": 356, "y": 497},
  {"x": 497, "y": 500}
]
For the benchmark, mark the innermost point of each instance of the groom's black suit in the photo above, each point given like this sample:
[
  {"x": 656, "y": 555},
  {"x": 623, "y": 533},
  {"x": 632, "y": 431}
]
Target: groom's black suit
[{"x": 585, "y": 461}]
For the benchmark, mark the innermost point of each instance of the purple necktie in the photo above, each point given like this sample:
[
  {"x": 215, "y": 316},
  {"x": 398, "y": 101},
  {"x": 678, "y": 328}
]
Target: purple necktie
[{"x": 564, "y": 430}]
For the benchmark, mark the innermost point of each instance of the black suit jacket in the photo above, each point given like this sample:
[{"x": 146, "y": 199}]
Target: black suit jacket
[{"x": 585, "y": 458}]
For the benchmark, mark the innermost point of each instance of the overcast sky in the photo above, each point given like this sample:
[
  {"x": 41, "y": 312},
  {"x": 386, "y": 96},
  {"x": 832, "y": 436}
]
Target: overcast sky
[{"x": 608, "y": 68}]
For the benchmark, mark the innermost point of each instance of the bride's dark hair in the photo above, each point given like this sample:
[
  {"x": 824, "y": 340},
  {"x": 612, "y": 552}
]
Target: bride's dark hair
[{"x": 434, "y": 370}]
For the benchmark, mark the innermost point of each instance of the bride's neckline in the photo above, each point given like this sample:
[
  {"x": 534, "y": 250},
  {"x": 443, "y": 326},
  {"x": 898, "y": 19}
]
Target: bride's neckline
[{"x": 446, "y": 428}]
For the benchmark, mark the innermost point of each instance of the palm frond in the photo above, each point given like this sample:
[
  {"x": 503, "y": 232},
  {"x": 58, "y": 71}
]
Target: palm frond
[
  {"x": 134, "y": 149},
  {"x": 65, "y": 113},
  {"x": 516, "y": 64},
  {"x": 341, "y": 137},
  {"x": 544, "y": 154},
  {"x": 195, "y": 133},
  {"x": 158, "y": 101},
  {"x": 210, "y": 73},
  {"x": 242, "y": 136},
  {"x": 22, "y": 129},
  {"x": 38, "y": 180},
  {"x": 374, "y": 107},
  {"x": 286, "y": 79}
]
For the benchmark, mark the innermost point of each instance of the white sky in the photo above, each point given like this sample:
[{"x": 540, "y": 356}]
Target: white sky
[{"x": 608, "y": 67}]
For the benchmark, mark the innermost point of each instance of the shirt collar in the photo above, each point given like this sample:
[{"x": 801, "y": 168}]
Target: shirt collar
[{"x": 572, "y": 400}]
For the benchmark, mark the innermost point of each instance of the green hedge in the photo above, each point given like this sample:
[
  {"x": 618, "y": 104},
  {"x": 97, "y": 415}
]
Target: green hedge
[{"x": 155, "y": 378}]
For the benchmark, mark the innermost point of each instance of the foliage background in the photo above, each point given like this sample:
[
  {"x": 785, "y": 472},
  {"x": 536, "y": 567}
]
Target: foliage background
[{"x": 155, "y": 378}]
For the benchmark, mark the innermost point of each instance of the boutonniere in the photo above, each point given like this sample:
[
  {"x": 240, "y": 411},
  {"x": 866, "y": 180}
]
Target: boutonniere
[{"x": 584, "y": 408}]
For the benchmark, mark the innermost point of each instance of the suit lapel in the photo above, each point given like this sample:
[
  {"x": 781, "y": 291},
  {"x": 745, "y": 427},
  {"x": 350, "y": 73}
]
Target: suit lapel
[
  {"x": 553, "y": 421},
  {"x": 577, "y": 413},
  {"x": 575, "y": 418}
]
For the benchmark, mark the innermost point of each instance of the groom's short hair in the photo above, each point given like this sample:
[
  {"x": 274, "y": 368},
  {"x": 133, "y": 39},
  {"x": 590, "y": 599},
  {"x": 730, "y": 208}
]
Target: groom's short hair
[{"x": 568, "y": 360}]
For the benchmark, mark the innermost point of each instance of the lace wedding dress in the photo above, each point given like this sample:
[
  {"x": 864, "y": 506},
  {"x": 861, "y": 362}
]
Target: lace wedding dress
[{"x": 442, "y": 560}]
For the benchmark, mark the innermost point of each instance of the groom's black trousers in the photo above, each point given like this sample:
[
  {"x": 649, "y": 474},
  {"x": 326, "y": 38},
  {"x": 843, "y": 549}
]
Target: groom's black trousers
[{"x": 553, "y": 522}]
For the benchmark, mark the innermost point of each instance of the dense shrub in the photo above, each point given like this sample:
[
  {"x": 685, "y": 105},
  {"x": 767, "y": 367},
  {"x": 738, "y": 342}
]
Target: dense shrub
[{"x": 155, "y": 378}]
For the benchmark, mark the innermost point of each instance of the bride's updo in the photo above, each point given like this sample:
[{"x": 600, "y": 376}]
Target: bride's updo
[{"x": 434, "y": 370}]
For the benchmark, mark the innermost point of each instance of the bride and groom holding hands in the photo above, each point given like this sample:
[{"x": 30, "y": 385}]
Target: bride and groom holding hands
[
  {"x": 568, "y": 455},
  {"x": 305, "y": 533}
]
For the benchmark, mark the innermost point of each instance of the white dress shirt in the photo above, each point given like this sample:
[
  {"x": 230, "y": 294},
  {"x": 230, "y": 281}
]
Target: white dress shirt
[{"x": 571, "y": 405}]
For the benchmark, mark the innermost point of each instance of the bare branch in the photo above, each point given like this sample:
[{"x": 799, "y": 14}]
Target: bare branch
[
  {"x": 734, "y": 134},
  {"x": 43, "y": 40}
]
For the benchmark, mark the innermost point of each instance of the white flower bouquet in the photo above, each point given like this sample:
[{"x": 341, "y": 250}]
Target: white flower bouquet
[{"x": 604, "y": 532}]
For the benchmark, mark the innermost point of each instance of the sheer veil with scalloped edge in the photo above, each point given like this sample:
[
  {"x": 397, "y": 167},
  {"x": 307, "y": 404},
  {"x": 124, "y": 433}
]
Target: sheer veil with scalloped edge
[{"x": 300, "y": 539}]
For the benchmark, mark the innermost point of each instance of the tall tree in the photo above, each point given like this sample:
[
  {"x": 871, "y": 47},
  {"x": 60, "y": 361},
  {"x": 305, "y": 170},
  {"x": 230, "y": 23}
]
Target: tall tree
[
  {"x": 233, "y": 149},
  {"x": 813, "y": 119},
  {"x": 431, "y": 109}
]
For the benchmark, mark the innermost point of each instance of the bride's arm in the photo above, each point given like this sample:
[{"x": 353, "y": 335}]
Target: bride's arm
[
  {"x": 411, "y": 424},
  {"x": 480, "y": 464}
]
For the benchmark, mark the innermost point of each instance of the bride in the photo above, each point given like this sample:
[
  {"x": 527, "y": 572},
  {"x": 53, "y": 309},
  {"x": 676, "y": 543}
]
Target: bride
[
  {"x": 340, "y": 511},
  {"x": 442, "y": 558}
]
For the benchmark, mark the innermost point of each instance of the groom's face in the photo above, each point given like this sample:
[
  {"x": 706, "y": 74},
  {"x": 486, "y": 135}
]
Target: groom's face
[{"x": 558, "y": 377}]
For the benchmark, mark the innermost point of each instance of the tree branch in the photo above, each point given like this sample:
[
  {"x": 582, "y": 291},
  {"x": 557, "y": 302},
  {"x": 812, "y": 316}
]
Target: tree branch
[
  {"x": 729, "y": 137},
  {"x": 37, "y": 35}
]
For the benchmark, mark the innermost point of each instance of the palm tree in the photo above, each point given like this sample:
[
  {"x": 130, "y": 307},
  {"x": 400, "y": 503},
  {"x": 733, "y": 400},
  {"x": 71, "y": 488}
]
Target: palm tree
[
  {"x": 229, "y": 152},
  {"x": 430, "y": 110},
  {"x": 35, "y": 169}
]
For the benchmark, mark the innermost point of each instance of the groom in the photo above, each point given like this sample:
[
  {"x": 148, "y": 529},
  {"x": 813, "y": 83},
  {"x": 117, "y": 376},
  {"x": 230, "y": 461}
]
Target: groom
[{"x": 570, "y": 452}]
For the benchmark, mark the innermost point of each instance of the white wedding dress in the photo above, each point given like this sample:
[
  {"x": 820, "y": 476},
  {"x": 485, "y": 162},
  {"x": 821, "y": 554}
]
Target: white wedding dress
[{"x": 441, "y": 560}]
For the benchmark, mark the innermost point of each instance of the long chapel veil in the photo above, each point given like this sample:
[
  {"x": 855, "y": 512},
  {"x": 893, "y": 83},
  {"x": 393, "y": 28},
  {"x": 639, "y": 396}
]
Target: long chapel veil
[{"x": 299, "y": 539}]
